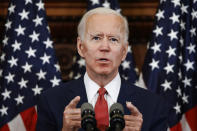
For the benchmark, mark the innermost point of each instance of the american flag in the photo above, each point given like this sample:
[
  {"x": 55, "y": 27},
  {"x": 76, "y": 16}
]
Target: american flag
[
  {"x": 27, "y": 64},
  {"x": 170, "y": 67},
  {"x": 127, "y": 68}
]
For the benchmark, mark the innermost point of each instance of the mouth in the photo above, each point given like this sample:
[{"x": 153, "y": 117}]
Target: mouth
[{"x": 102, "y": 60}]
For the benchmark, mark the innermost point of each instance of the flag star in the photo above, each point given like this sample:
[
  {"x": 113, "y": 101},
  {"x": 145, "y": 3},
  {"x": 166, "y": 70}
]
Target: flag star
[
  {"x": 13, "y": 61},
  {"x": 166, "y": 85},
  {"x": 156, "y": 47},
  {"x": 94, "y": 2},
  {"x": 77, "y": 76},
  {"x": 45, "y": 59},
  {"x": 179, "y": 94},
  {"x": 184, "y": 9},
  {"x": 173, "y": 34},
  {"x": 57, "y": 66},
  {"x": 185, "y": 99},
  {"x": 20, "y": 30},
  {"x": 37, "y": 90},
  {"x": 180, "y": 75},
  {"x": 154, "y": 64},
  {"x": 161, "y": 1},
  {"x": 193, "y": 31},
  {"x": 40, "y": 5},
  {"x": 129, "y": 49},
  {"x": 169, "y": 68},
  {"x": 41, "y": 75},
  {"x": 5, "y": 41},
  {"x": 182, "y": 24},
  {"x": 2, "y": 57},
  {"x": 189, "y": 65},
  {"x": 8, "y": 24},
  {"x": 177, "y": 108},
  {"x": 158, "y": 31},
  {"x": 19, "y": 99},
  {"x": 55, "y": 81},
  {"x": 191, "y": 48},
  {"x": 195, "y": 1},
  {"x": 38, "y": 21},
  {"x": 31, "y": 52},
  {"x": 71, "y": 74},
  {"x": 171, "y": 51},
  {"x": 125, "y": 65},
  {"x": 34, "y": 36},
  {"x": 194, "y": 14},
  {"x": 11, "y": 8},
  {"x": 187, "y": 82},
  {"x": 6, "y": 94},
  {"x": 118, "y": 10},
  {"x": 176, "y": 3},
  {"x": 3, "y": 110},
  {"x": 23, "y": 83},
  {"x": 106, "y": 4},
  {"x": 28, "y": 1},
  {"x": 1, "y": 72},
  {"x": 24, "y": 15},
  {"x": 27, "y": 67},
  {"x": 48, "y": 43},
  {"x": 81, "y": 62},
  {"x": 160, "y": 14},
  {"x": 16, "y": 46},
  {"x": 174, "y": 18},
  {"x": 181, "y": 41},
  {"x": 10, "y": 78}
]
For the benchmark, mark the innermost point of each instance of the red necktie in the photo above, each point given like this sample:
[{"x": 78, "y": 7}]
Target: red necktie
[{"x": 101, "y": 111}]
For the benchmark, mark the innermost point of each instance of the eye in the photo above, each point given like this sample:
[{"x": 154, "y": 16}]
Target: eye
[
  {"x": 96, "y": 38},
  {"x": 114, "y": 40}
]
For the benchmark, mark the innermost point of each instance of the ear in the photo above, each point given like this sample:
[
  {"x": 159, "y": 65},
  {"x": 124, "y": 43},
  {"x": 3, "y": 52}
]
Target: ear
[
  {"x": 80, "y": 47},
  {"x": 125, "y": 49}
]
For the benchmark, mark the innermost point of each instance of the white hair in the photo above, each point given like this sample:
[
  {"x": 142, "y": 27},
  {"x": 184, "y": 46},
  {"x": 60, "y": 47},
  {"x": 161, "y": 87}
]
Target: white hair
[{"x": 101, "y": 10}]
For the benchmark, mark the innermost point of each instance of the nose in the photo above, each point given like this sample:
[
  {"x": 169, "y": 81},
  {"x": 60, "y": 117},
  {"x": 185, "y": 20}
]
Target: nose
[{"x": 105, "y": 45}]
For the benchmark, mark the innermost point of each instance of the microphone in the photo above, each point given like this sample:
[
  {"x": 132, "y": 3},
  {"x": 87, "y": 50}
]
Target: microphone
[
  {"x": 117, "y": 122},
  {"x": 88, "y": 121}
]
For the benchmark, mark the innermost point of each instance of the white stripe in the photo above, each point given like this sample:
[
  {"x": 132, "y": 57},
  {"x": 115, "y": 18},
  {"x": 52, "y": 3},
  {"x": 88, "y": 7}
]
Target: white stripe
[
  {"x": 17, "y": 124},
  {"x": 184, "y": 124}
]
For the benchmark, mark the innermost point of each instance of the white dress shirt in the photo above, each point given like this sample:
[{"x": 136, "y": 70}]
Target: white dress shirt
[{"x": 112, "y": 88}]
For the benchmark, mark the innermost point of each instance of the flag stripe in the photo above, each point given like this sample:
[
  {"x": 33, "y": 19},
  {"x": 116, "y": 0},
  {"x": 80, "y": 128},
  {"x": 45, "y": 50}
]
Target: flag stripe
[
  {"x": 29, "y": 117},
  {"x": 184, "y": 124},
  {"x": 17, "y": 124},
  {"x": 5, "y": 128},
  {"x": 191, "y": 117},
  {"x": 177, "y": 127}
]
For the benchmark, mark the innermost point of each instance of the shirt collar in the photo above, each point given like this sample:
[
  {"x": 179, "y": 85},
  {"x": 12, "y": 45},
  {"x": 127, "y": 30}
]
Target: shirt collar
[{"x": 113, "y": 87}]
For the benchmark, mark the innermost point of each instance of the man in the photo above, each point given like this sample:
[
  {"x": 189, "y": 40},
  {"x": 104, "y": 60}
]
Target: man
[{"x": 103, "y": 43}]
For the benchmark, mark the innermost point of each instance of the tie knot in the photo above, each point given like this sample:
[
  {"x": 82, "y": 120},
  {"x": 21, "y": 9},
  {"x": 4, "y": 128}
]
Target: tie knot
[{"x": 102, "y": 91}]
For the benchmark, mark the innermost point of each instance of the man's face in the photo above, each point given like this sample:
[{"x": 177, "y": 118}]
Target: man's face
[{"x": 103, "y": 47}]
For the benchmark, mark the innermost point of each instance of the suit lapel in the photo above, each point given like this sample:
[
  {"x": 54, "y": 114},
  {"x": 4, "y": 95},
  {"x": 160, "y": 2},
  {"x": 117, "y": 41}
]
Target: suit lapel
[{"x": 125, "y": 94}]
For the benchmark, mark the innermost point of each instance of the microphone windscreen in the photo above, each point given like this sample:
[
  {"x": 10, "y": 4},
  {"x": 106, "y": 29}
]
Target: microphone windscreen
[
  {"x": 117, "y": 106},
  {"x": 86, "y": 106}
]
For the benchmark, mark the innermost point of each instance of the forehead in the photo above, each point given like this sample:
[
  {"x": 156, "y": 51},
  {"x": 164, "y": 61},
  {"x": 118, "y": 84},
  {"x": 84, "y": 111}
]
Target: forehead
[{"x": 105, "y": 23}]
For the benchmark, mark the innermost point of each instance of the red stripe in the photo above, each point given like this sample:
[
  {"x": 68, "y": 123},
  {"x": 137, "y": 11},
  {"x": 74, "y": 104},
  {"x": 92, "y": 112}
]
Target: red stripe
[
  {"x": 5, "y": 128},
  {"x": 177, "y": 127},
  {"x": 191, "y": 117},
  {"x": 29, "y": 117}
]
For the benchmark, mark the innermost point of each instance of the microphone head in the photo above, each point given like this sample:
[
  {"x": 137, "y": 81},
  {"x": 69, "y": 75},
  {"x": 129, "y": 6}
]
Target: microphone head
[
  {"x": 86, "y": 106},
  {"x": 117, "y": 122},
  {"x": 117, "y": 106}
]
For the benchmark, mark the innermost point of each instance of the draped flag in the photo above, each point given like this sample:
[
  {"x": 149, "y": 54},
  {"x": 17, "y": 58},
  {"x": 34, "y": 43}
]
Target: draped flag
[
  {"x": 127, "y": 68},
  {"x": 170, "y": 67},
  {"x": 27, "y": 64}
]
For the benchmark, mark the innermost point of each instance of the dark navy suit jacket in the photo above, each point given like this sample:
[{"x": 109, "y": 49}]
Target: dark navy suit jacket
[{"x": 51, "y": 105}]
